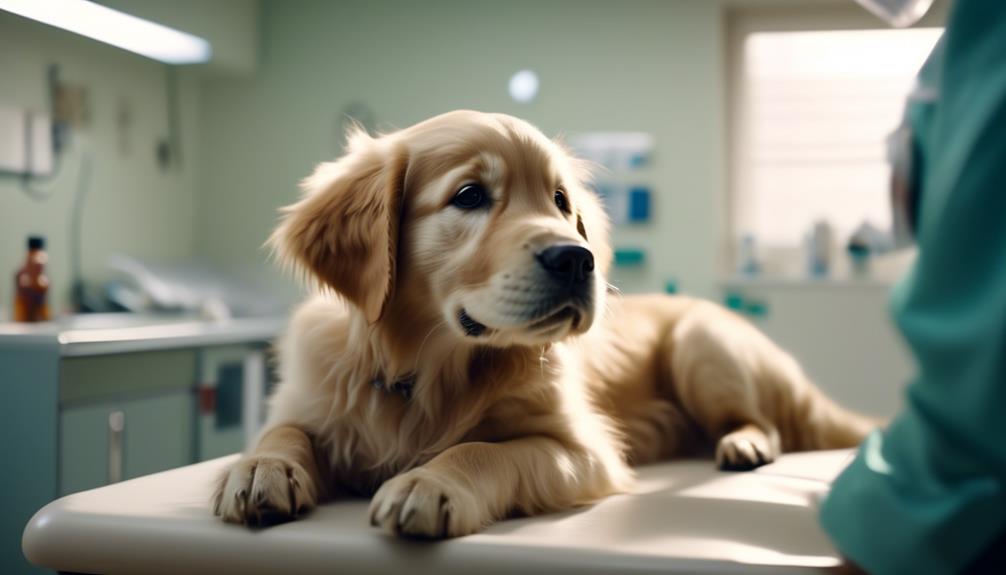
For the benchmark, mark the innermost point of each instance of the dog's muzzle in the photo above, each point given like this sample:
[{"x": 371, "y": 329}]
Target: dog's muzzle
[{"x": 563, "y": 294}]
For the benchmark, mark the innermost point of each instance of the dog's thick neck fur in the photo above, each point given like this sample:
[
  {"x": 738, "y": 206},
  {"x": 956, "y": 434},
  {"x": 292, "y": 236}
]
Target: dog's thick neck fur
[
  {"x": 456, "y": 384},
  {"x": 410, "y": 340}
]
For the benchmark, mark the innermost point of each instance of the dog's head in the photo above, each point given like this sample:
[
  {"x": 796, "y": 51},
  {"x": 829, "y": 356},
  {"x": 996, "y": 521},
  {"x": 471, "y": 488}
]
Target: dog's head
[{"x": 477, "y": 220}]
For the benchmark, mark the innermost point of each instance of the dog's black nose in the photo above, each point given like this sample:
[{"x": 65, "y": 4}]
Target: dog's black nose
[{"x": 569, "y": 264}]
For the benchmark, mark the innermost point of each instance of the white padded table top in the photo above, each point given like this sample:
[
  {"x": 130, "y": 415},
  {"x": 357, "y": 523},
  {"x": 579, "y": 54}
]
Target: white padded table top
[{"x": 684, "y": 517}]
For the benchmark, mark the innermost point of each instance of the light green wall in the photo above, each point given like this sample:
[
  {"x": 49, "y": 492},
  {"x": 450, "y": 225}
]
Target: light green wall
[
  {"x": 133, "y": 206},
  {"x": 650, "y": 65}
]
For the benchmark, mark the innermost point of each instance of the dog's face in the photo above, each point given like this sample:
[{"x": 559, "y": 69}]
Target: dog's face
[{"x": 476, "y": 219}]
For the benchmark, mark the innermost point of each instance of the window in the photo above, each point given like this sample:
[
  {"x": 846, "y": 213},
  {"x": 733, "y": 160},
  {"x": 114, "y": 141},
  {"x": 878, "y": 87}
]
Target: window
[{"x": 813, "y": 112}]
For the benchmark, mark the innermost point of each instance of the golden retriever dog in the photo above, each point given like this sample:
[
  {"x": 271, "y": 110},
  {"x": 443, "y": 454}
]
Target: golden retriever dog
[{"x": 465, "y": 361}]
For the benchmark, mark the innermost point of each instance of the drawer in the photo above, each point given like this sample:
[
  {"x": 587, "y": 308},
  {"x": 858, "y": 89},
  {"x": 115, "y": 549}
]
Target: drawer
[{"x": 84, "y": 379}]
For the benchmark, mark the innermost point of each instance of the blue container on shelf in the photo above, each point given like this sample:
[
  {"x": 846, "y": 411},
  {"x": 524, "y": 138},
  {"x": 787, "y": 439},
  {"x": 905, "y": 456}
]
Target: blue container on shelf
[{"x": 639, "y": 204}]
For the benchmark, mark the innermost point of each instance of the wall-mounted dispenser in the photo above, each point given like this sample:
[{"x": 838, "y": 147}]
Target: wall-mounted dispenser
[{"x": 25, "y": 142}]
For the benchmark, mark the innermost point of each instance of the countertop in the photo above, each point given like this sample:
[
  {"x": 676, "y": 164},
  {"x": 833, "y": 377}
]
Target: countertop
[
  {"x": 683, "y": 517},
  {"x": 98, "y": 334}
]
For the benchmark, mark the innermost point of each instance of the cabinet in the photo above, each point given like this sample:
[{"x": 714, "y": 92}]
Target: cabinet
[
  {"x": 123, "y": 416},
  {"x": 177, "y": 389},
  {"x": 841, "y": 333},
  {"x": 124, "y": 439}
]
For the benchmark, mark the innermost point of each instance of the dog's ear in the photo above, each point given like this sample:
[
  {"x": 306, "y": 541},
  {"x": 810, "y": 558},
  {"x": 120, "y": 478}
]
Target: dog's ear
[{"x": 344, "y": 231}]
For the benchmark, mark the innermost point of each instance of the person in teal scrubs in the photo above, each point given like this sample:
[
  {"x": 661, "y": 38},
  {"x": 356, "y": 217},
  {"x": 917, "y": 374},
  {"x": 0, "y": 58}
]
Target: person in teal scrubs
[{"x": 928, "y": 493}]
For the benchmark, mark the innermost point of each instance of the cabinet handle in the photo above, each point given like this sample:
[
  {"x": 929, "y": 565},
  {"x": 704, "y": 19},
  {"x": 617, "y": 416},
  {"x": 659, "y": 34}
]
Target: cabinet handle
[
  {"x": 116, "y": 428},
  {"x": 253, "y": 392}
]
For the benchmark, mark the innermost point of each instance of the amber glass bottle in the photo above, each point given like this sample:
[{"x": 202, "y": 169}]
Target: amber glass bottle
[{"x": 31, "y": 284}]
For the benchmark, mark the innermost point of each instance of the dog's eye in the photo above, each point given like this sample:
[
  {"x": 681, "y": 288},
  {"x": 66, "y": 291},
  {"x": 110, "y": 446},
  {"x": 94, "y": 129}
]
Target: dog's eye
[
  {"x": 562, "y": 202},
  {"x": 471, "y": 197}
]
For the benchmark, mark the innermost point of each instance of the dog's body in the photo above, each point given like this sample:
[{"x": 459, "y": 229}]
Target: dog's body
[{"x": 473, "y": 366}]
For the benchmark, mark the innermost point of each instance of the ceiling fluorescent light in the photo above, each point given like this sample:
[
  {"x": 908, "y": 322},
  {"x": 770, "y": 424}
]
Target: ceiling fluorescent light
[{"x": 116, "y": 28}]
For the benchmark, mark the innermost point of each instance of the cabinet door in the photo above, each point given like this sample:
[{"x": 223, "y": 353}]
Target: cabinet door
[{"x": 156, "y": 434}]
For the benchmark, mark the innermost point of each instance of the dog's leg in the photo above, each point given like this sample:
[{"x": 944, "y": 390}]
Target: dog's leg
[
  {"x": 718, "y": 402},
  {"x": 276, "y": 482},
  {"x": 714, "y": 380},
  {"x": 473, "y": 484}
]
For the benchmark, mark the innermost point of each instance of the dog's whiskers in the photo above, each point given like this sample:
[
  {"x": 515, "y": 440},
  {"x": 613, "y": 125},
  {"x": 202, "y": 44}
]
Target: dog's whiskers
[{"x": 542, "y": 360}]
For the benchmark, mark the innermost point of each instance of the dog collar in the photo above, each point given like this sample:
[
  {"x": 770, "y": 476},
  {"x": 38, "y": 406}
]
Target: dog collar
[{"x": 402, "y": 386}]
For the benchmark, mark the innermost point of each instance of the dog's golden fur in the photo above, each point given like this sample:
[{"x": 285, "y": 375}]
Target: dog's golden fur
[{"x": 533, "y": 409}]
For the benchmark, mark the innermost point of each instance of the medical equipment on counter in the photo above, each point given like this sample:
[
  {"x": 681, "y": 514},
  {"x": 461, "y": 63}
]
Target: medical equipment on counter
[
  {"x": 747, "y": 256},
  {"x": 31, "y": 284},
  {"x": 817, "y": 247},
  {"x": 189, "y": 286}
]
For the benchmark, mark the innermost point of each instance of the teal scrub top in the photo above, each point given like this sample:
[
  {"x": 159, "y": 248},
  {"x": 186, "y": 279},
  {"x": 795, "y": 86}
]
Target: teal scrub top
[{"x": 928, "y": 494}]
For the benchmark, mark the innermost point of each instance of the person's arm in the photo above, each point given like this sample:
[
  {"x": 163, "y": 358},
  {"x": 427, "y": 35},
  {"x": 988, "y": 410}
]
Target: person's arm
[{"x": 927, "y": 495}]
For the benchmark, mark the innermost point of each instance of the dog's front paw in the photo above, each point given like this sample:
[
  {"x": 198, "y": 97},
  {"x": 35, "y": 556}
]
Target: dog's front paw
[
  {"x": 264, "y": 490},
  {"x": 745, "y": 449},
  {"x": 424, "y": 503}
]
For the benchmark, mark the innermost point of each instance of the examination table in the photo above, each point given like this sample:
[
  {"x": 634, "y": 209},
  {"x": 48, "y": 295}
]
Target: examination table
[{"x": 683, "y": 517}]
